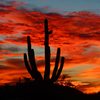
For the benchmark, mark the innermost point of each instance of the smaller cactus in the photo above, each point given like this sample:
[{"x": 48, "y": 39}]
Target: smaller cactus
[{"x": 33, "y": 69}]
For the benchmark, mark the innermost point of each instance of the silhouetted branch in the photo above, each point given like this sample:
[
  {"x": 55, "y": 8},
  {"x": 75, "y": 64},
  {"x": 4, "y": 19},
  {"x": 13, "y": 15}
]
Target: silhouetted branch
[{"x": 33, "y": 69}]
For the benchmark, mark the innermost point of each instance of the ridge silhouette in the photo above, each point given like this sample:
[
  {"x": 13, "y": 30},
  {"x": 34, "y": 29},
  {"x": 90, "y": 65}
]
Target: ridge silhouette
[{"x": 33, "y": 70}]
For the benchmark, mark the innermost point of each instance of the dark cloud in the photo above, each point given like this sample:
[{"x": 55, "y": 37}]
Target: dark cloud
[
  {"x": 5, "y": 67},
  {"x": 17, "y": 63},
  {"x": 86, "y": 35},
  {"x": 12, "y": 49}
]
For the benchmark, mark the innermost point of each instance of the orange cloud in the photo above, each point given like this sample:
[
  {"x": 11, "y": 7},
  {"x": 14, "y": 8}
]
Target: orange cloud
[
  {"x": 12, "y": 75},
  {"x": 89, "y": 88},
  {"x": 92, "y": 73},
  {"x": 77, "y": 34}
]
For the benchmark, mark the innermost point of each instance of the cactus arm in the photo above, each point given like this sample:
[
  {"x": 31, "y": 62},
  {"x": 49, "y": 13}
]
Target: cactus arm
[
  {"x": 26, "y": 63},
  {"x": 35, "y": 73},
  {"x": 61, "y": 66},
  {"x": 60, "y": 69},
  {"x": 31, "y": 55},
  {"x": 33, "y": 63},
  {"x": 33, "y": 70},
  {"x": 56, "y": 63}
]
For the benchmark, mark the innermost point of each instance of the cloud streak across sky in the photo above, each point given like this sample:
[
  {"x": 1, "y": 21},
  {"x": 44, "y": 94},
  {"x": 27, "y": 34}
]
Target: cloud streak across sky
[{"x": 76, "y": 33}]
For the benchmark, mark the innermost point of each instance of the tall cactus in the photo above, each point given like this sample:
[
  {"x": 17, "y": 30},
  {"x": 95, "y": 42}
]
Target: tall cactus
[{"x": 33, "y": 69}]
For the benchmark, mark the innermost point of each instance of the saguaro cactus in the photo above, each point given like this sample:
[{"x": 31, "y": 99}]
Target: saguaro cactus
[{"x": 33, "y": 69}]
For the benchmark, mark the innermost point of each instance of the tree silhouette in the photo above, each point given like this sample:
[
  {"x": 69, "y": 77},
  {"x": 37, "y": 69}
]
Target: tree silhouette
[
  {"x": 69, "y": 83},
  {"x": 33, "y": 69}
]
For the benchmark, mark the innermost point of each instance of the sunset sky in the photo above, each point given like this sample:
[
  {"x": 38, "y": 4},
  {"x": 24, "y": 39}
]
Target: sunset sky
[{"x": 76, "y": 30}]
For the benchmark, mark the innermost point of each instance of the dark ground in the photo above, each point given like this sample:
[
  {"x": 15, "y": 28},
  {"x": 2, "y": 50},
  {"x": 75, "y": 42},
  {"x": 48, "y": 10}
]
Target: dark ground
[{"x": 38, "y": 91}]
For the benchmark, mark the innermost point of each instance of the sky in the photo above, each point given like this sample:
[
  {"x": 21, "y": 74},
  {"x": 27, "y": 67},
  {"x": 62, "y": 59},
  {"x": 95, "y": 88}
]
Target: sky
[{"x": 76, "y": 30}]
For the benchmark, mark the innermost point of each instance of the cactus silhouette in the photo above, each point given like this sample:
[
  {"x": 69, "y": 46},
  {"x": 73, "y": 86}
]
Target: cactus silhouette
[{"x": 33, "y": 69}]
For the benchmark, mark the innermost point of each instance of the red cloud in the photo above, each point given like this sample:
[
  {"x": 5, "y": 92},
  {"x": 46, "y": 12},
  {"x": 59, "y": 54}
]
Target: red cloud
[
  {"x": 77, "y": 34},
  {"x": 12, "y": 75},
  {"x": 53, "y": 10},
  {"x": 18, "y": 3},
  {"x": 88, "y": 7}
]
